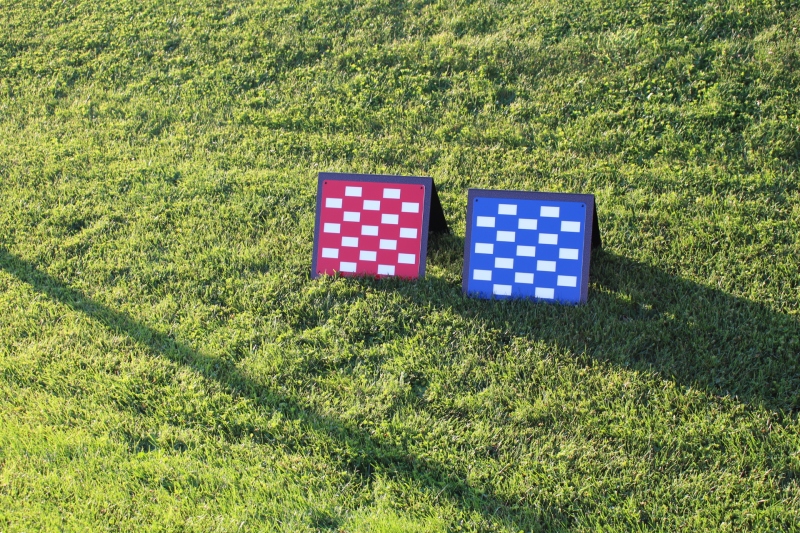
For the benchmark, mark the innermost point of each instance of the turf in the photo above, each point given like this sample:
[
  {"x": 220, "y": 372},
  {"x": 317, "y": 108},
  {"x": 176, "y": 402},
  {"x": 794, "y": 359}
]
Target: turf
[{"x": 167, "y": 364}]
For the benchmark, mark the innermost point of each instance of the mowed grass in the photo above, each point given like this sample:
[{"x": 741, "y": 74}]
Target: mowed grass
[{"x": 167, "y": 364}]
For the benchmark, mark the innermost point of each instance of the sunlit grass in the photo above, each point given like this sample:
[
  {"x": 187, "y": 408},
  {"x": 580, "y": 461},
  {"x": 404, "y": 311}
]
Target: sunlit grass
[{"x": 166, "y": 362}]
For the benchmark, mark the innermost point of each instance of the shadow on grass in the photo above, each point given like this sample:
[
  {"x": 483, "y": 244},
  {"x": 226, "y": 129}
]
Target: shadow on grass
[
  {"x": 643, "y": 318},
  {"x": 363, "y": 453},
  {"x": 637, "y": 316}
]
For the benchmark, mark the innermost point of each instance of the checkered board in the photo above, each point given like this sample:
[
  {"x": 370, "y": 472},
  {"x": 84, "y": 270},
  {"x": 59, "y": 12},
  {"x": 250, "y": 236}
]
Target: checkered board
[
  {"x": 371, "y": 225},
  {"x": 528, "y": 245}
]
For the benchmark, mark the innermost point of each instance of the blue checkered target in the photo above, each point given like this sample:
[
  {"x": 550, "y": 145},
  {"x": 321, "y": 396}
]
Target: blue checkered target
[{"x": 528, "y": 245}]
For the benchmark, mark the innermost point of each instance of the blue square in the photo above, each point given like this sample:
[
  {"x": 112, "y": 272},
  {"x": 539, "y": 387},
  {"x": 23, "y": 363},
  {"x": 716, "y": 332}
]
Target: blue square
[{"x": 528, "y": 245}]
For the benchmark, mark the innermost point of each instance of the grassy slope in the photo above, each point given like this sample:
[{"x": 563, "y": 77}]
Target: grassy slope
[{"x": 165, "y": 362}]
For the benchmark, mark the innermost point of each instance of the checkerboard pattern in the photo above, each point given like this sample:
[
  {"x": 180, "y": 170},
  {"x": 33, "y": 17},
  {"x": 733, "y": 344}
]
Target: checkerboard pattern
[
  {"x": 525, "y": 248},
  {"x": 370, "y": 228}
]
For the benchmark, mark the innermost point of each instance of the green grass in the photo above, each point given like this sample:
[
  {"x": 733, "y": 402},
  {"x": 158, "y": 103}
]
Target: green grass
[{"x": 167, "y": 364}]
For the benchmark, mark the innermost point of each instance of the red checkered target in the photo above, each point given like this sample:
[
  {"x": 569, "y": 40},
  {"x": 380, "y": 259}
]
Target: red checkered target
[{"x": 371, "y": 225}]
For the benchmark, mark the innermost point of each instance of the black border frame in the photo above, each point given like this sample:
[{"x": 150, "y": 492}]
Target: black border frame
[
  {"x": 430, "y": 193},
  {"x": 591, "y": 237}
]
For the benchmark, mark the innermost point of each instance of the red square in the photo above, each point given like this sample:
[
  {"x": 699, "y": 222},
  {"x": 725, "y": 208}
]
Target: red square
[{"x": 370, "y": 228}]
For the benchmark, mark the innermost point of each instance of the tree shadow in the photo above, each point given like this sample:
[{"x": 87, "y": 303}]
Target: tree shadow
[
  {"x": 643, "y": 318},
  {"x": 638, "y": 317},
  {"x": 359, "y": 452}
]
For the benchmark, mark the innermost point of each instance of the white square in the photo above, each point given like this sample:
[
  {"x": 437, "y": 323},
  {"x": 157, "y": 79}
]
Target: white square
[
  {"x": 523, "y": 277},
  {"x": 350, "y": 242},
  {"x": 526, "y": 251},
  {"x": 506, "y": 236},
  {"x": 482, "y": 275},
  {"x": 352, "y": 216},
  {"x": 334, "y": 203},
  {"x": 567, "y": 281},
  {"x": 391, "y": 193},
  {"x": 567, "y": 253},
  {"x": 485, "y": 222},
  {"x": 389, "y": 219},
  {"x": 330, "y": 227},
  {"x": 352, "y": 191},
  {"x": 331, "y": 253},
  {"x": 406, "y": 259},
  {"x": 369, "y": 230},
  {"x": 570, "y": 227},
  {"x": 484, "y": 248},
  {"x": 501, "y": 290},
  {"x": 372, "y": 205},
  {"x": 546, "y": 266},
  {"x": 408, "y": 233},
  {"x": 507, "y": 209},
  {"x": 364, "y": 255},
  {"x": 347, "y": 267},
  {"x": 549, "y": 211},
  {"x": 386, "y": 270},
  {"x": 528, "y": 223},
  {"x": 503, "y": 262},
  {"x": 388, "y": 244},
  {"x": 541, "y": 292},
  {"x": 410, "y": 207},
  {"x": 548, "y": 238}
]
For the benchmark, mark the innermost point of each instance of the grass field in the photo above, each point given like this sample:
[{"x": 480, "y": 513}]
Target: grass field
[{"x": 167, "y": 364}]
